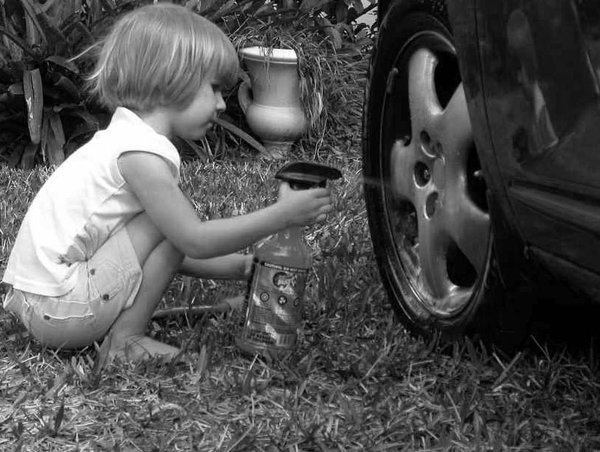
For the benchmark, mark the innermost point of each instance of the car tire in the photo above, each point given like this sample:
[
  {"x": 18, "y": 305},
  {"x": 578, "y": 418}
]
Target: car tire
[{"x": 427, "y": 200}]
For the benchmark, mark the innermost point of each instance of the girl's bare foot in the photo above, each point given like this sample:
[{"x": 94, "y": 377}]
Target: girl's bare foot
[{"x": 138, "y": 348}]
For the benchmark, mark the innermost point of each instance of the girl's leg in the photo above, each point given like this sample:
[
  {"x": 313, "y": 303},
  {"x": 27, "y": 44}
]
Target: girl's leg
[{"x": 159, "y": 261}]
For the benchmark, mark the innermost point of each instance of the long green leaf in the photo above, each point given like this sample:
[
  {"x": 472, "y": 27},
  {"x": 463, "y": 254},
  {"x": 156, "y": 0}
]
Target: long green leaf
[
  {"x": 69, "y": 87},
  {"x": 51, "y": 35},
  {"x": 34, "y": 29},
  {"x": 53, "y": 139},
  {"x": 357, "y": 5},
  {"x": 308, "y": 5},
  {"x": 15, "y": 157},
  {"x": 240, "y": 133},
  {"x": 34, "y": 99},
  {"x": 225, "y": 9},
  {"x": 63, "y": 62},
  {"x": 16, "y": 89},
  {"x": 18, "y": 41},
  {"x": 110, "y": 5},
  {"x": 28, "y": 157},
  {"x": 197, "y": 150},
  {"x": 91, "y": 121}
]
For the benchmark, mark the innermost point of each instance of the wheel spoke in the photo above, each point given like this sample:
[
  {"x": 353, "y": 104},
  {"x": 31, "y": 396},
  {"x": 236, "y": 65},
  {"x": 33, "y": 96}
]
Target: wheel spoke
[
  {"x": 433, "y": 245},
  {"x": 455, "y": 132},
  {"x": 470, "y": 229},
  {"x": 468, "y": 224},
  {"x": 402, "y": 163},
  {"x": 423, "y": 101}
]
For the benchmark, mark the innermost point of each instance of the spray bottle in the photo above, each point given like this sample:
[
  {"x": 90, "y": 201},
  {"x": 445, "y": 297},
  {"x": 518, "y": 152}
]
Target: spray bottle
[{"x": 273, "y": 303}]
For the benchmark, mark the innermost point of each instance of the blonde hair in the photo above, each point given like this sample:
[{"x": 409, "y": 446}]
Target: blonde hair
[{"x": 158, "y": 56}]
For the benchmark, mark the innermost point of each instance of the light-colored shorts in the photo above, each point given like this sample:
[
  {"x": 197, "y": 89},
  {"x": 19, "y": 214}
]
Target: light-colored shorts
[{"x": 106, "y": 285}]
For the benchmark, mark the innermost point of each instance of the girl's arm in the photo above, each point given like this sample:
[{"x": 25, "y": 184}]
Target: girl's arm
[
  {"x": 150, "y": 178},
  {"x": 230, "y": 266}
]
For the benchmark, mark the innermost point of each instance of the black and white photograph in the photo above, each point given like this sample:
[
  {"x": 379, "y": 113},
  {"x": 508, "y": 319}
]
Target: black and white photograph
[{"x": 299, "y": 225}]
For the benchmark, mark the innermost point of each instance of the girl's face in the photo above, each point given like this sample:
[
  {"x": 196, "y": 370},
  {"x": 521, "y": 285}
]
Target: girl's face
[{"x": 194, "y": 121}]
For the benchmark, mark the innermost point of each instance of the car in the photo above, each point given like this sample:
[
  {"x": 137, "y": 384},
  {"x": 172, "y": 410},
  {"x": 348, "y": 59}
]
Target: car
[{"x": 481, "y": 162}]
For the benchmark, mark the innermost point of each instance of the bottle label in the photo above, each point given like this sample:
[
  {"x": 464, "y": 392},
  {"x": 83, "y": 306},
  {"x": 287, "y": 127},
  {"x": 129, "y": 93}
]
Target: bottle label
[{"x": 274, "y": 305}]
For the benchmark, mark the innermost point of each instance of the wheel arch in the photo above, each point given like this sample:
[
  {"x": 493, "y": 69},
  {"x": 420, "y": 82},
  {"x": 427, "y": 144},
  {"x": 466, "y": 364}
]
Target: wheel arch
[{"x": 405, "y": 6}]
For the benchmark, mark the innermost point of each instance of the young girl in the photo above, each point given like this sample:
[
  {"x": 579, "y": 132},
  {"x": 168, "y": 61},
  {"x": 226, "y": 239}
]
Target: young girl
[{"x": 106, "y": 233}]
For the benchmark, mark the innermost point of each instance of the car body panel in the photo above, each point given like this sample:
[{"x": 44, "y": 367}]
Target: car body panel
[{"x": 530, "y": 71}]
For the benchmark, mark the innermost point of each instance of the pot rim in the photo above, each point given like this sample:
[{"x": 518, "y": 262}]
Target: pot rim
[{"x": 267, "y": 54}]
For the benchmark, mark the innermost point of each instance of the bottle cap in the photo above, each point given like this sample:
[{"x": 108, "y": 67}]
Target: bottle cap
[{"x": 302, "y": 175}]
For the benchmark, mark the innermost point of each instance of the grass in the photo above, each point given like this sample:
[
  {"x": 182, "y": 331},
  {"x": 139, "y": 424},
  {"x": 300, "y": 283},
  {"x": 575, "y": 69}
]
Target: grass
[{"x": 357, "y": 381}]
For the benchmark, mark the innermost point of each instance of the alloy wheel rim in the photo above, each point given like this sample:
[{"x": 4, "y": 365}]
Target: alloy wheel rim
[{"x": 434, "y": 194}]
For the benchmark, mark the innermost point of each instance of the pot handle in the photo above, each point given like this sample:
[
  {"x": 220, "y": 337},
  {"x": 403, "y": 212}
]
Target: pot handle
[{"x": 244, "y": 92}]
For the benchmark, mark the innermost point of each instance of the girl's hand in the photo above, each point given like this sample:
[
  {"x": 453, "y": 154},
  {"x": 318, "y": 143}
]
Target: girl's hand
[{"x": 303, "y": 207}]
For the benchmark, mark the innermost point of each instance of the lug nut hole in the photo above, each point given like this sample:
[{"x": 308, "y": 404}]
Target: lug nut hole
[
  {"x": 430, "y": 205},
  {"x": 422, "y": 174}
]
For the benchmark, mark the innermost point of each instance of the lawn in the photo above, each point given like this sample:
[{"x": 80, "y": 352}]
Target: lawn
[{"x": 357, "y": 381}]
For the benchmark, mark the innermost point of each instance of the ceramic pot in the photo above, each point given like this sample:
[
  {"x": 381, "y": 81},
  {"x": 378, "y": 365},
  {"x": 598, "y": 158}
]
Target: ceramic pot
[{"x": 271, "y": 100}]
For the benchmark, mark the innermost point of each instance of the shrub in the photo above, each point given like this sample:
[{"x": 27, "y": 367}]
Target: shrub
[{"x": 45, "y": 113}]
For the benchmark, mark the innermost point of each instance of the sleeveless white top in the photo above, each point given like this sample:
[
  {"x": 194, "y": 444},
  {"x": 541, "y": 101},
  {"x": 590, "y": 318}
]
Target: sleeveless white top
[{"x": 82, "y": 204}]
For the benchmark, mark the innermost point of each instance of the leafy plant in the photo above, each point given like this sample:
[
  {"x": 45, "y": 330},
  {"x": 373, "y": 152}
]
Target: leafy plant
[{"x": 43, "y": 113}]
